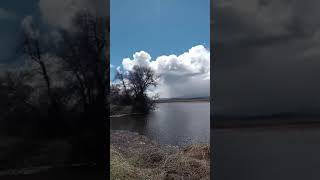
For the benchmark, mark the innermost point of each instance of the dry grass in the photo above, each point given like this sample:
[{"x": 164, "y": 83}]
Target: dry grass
[
  {"x": 120, "y": 167},
  {"x": 139, "y": 158}
]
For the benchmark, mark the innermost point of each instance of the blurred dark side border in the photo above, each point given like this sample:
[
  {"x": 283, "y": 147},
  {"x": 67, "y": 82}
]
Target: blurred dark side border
[
  {"x": 32, "y": 155},
  {"x": 107, "y": 50},
  {"x": 212, "y": 62}
]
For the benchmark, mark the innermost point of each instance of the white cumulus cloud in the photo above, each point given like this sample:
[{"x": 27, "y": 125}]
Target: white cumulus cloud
[{"x": 185, "y": 75}]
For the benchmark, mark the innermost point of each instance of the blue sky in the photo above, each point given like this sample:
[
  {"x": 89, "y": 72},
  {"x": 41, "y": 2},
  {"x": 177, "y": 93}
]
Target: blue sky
[{"x": 159, "y": 27}]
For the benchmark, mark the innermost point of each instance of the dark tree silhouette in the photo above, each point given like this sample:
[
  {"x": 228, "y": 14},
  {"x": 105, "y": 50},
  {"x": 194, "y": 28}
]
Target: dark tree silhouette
[
  {"x": 120, "y": 76},
  {"x": 15, "y": 102},
  {"x": 32, "y": 48},
  {"x": 83, "y": 53},
  {"x": 135, "y": 84},
  {"x": 141, "y": 78},
  {"x": 85, "y": 58}
]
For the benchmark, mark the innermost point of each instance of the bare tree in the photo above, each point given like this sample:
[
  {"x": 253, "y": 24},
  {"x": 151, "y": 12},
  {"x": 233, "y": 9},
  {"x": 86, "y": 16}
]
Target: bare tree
[
  {"x": 83, "y": 52},
  {"x": 141, "y": 78},
  {"x": 33, "y": 48},
  {"x": 121, "y": 77},
  {"x": 86, "y": 58}
]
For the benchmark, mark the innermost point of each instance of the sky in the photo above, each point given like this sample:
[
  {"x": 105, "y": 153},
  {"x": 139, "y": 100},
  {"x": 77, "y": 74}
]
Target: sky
[
  {"x": 171, "y": 36},
  {"x": 11, "y": 15},
  {"x": 266, "y": 57},
  {"x": 48, "y": 14}
]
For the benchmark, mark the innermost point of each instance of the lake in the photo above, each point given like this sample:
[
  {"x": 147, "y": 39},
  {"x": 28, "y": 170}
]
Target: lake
[
  {"x": 265, "y": 154},
  {"x": 178, "y": 123}
]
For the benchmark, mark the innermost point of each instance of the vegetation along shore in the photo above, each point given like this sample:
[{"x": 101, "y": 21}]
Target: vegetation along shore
[{"x": 134, "y": 156}]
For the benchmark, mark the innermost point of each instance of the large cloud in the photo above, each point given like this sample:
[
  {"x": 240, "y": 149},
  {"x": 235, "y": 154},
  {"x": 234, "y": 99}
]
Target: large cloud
[
  {"x": 61, "y": 12},
  {"x": 29, "y": 28},
  {"x": 5, "y": 14},
  {"x": 185, "y": 75},
  {"x": 266, "y": 56}
]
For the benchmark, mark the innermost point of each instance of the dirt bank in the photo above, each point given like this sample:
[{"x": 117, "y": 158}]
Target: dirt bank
[{"x": 134, "y": 156}]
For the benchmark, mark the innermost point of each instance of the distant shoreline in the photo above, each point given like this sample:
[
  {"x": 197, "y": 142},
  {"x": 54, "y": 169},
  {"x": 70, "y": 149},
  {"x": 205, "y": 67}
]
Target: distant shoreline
[
  {"x": 280, "y": 120},
  {"x": 264, "y": 125},
  {"x": 122, "y": 115},
  {"x": 184, "y": 100}
]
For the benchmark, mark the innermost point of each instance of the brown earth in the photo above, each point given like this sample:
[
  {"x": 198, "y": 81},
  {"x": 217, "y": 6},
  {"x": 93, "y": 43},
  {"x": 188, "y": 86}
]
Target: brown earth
[{"x": 134, "y": 156}]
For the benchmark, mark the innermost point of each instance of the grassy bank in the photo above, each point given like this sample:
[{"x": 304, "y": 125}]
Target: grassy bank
[
  {"x": 19, "y": 152},
  {"x": 118, "y": 110},
  {"x": 134, "y": 156}
]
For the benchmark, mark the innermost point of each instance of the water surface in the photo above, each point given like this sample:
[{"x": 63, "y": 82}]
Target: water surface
[
  {"x": 267, "y": 154},
  {"x": 179, "y": 124}
]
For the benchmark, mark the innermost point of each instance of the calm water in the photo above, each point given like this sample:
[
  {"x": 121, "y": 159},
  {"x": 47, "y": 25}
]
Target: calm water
[
  {"x": 269, "y": 154},
  {"x": 171, "y": 123}
]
